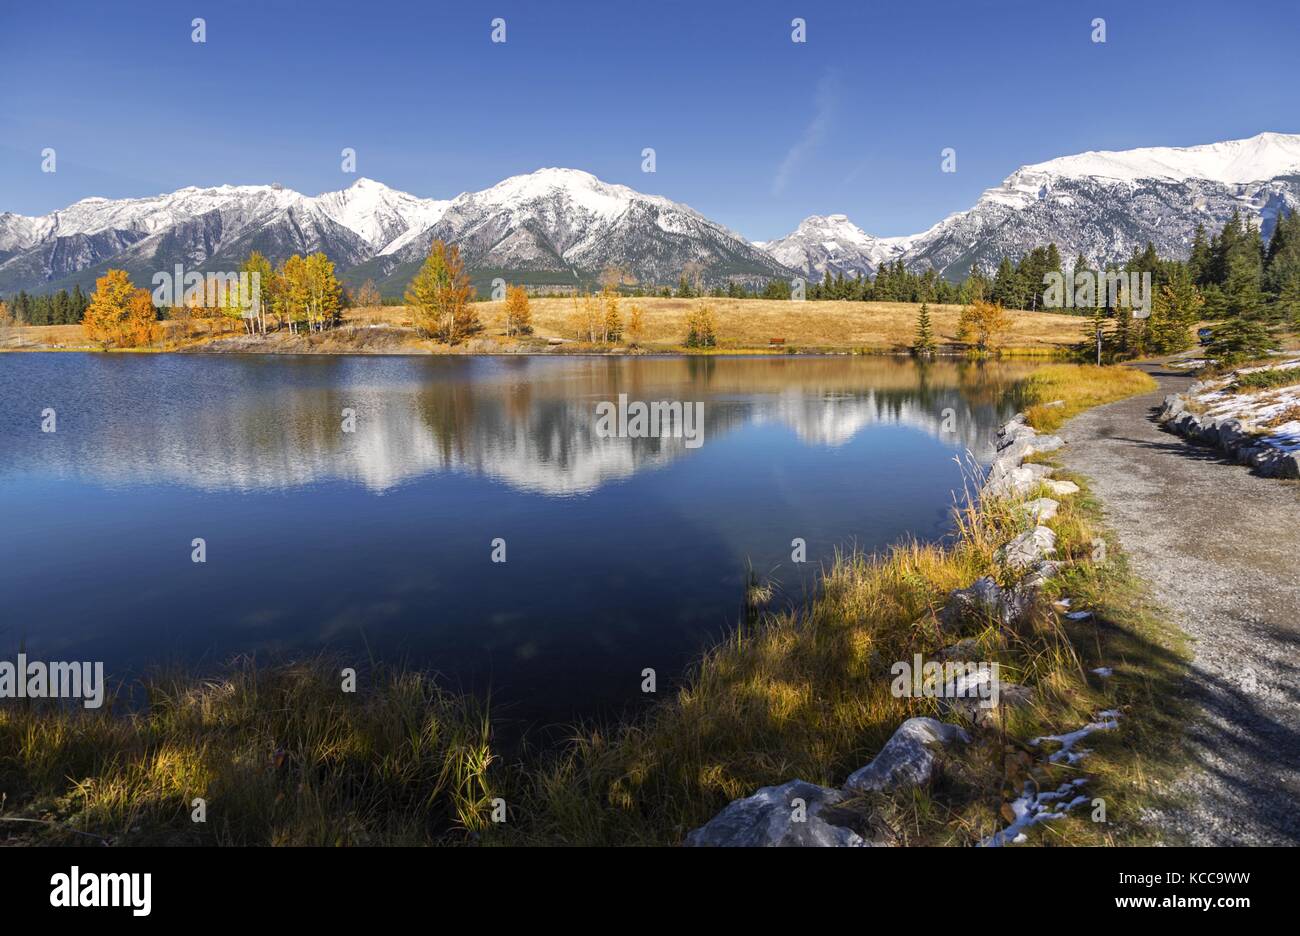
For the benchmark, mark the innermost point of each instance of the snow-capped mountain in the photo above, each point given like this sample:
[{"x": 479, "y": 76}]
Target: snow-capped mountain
[
  {"x": 1105, "y": 205},
  {"x": 569, "y": 222},
  {"x": 565, "y": 225},
  {"x": 1102, "y": 205},
  {"x": 204, "y": 228},
  {"x": 834, "y": 243}
]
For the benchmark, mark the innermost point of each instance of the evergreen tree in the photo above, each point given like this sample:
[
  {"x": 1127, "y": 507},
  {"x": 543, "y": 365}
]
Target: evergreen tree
[
  {"x": 1241, "y": 338},
  {"x": 1198, "y": 263},
  {"x": 925, "y": 343},
  {"x": 1175, "y": 309}
]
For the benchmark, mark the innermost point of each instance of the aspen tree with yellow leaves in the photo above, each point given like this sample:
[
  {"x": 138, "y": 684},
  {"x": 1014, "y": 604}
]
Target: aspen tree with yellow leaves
[
  {"x": 519, "y": 316},
  {"x": 635, "y": 326},
  {"x": 119, "y": 313},
  {"x": 439, "y": 296}
]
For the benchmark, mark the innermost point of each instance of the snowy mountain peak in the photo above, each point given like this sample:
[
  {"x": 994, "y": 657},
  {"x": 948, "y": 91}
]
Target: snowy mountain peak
[
  {"x": 834, "y": 243},
  {"x": 578, "y": 188},
  {"x": 1232, "y": 162},
  {"x": 378, "y": 214}
]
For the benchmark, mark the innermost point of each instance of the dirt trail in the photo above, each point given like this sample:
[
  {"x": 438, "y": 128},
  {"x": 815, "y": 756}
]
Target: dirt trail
[{"x": 1221, "y": 548}]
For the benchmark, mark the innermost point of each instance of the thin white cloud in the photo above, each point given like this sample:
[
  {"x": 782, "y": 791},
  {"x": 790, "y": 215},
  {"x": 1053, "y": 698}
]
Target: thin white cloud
[{"x": 826, "y": 101}]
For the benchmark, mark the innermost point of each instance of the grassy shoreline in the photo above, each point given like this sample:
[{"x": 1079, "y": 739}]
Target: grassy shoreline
[{"x": 282, "y": 756}]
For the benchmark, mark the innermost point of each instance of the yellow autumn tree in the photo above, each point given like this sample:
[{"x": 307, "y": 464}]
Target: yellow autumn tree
[
  {"x": 519, "y": 316},
  {"x": 701, "y": 328},
  {"x": 119, "y": 313},
  {"x": 439, "y": 296},
  {"x": 611, "y": 326},
  {"x": 293, "y": 292},
  {"x": 635, "y": 326},
  {"x": 368, "y": 295},
  {"x": 984, "y": 323},
  {"x": 324, "y": 292}
]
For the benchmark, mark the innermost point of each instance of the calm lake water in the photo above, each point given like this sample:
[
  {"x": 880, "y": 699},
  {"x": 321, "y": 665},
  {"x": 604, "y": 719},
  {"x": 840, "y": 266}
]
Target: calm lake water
[{"x": 621, "y": 553}]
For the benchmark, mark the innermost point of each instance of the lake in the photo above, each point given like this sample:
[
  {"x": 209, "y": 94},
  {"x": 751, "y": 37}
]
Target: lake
[{"x": 621, "y": 553}]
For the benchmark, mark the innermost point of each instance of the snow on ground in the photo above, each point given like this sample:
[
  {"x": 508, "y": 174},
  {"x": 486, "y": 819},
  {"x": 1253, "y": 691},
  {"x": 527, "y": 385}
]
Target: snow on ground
[
  {"x": 1067, "y": 754},
  {"x": 1031, "y": 808},
  {"x": 1256, "y": 410}
]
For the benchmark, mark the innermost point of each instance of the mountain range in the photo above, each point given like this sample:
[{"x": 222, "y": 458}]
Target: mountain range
[{"x": 564, "y": 226}]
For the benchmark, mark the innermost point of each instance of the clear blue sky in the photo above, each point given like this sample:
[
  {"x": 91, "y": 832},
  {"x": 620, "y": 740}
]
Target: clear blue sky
[{"x": 751, "y": 129}]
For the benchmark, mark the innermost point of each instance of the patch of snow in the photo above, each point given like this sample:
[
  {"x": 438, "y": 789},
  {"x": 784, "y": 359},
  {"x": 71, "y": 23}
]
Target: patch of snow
[
  {"x": 1109, "y": 720},
  {"x": 1031, "y": 808}
]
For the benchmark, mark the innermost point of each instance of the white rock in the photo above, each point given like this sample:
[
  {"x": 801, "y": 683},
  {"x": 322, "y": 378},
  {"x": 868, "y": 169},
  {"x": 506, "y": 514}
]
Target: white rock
[
  {"x": 768, "y": 819},
  {"x": 908, "y": 757}
]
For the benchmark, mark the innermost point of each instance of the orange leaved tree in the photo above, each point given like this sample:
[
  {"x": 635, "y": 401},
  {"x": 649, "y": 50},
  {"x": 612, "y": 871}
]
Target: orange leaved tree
[{"x": 119, "y": 313}]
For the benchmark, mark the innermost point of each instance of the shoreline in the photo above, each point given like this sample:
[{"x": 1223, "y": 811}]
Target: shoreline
[{"x": 718, "y": 739}]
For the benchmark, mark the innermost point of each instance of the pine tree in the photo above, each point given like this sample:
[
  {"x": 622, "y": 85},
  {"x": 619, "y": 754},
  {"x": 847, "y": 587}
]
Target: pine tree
[
  {"x": 1175, "y": 310},
  {"x": 1199, "y": 262},
  {"x": 1095, "y": 337},
  {"x": 925, "y": 343},
  {"x": 1240, "y": 339}
]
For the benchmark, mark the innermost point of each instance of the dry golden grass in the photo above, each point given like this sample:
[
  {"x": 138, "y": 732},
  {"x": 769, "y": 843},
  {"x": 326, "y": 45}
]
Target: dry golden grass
[
  {"x": 743, "y": 324},
  {"x": 1078, "y": 387},
  {"x": 752, "y": 323}
]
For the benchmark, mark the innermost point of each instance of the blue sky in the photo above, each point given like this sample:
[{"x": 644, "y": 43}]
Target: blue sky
[{"x": 749, "y": 128}]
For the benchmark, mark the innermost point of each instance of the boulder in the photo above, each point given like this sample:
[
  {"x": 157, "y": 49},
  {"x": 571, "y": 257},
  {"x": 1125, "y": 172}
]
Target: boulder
[
  {"x": 1290, "y": 466},
  {"x": 1232, "y": 435},
  {"x": 965, "y": 649},
  {"x": 1047, "y": 443},
  {"x": 1040, "y": 509},
  {"x": 977, "y": 603},
  {"x": 961, "y": 698},
  {"x": 1045, "y": 570},
  {"x": 1173, "y": 405},
  {"x": 1011, "y": 433},
  {"x": 1011, "y": 424},
  {"x": 768, "y": 819},
  {"x": 1061, "y": 488},
  {"x": 1027, "y": 549},
  {"x": 1015, "y": 482},
  {"x": 908, "y": 758}
]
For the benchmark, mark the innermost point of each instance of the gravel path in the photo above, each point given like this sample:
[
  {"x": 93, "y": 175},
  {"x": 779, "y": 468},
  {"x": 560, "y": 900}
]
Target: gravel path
[{"x": 1221, "y": 548}]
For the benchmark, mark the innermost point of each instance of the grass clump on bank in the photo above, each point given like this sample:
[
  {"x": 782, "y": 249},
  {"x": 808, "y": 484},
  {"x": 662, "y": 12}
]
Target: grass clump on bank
[
  {"x": 281, "y": 755},
  {"x": 1078, "y": 387}
]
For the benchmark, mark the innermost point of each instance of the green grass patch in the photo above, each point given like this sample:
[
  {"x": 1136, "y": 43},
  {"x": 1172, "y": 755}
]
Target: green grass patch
[{"x": 1269, "y": 379}]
